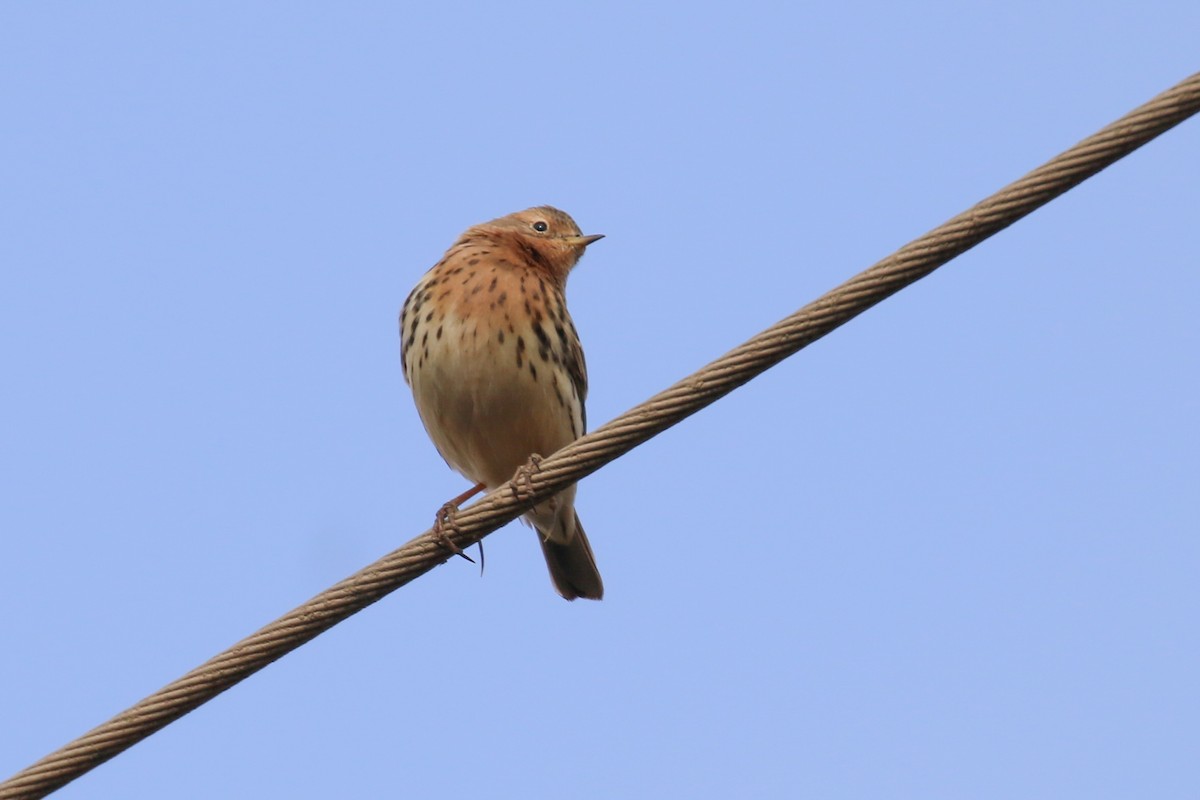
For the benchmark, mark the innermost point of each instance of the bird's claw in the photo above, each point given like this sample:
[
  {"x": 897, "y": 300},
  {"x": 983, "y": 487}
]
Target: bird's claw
[
  {"x": 444, "y": 521},
  {"x": 522, "y": 481}
]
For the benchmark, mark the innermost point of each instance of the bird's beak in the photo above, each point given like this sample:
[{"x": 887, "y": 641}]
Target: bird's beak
[{"x": 583, "y": 241}]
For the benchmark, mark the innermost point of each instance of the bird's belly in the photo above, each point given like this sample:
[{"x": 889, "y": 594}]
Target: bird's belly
[{"x": 484, "y": 408}]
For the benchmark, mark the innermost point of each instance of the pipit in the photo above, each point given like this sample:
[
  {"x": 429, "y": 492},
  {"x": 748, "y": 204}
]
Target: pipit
[{"x": 497, "y": 370}]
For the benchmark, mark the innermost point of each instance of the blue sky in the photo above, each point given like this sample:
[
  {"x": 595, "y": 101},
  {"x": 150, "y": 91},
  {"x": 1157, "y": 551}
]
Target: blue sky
[{"x": 948, "y": 551}]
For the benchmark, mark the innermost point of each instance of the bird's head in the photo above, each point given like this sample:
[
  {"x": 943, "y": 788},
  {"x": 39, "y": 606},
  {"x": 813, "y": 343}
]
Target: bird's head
[{"x": 548, "y": 239}]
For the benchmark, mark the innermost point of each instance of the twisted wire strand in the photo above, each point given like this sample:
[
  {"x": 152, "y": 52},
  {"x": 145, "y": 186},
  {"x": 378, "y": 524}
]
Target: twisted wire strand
[{"x": 907, "y": 265}]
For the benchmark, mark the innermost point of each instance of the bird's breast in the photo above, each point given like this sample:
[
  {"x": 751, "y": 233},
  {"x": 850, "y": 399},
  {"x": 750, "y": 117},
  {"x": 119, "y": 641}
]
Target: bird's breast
[{"x": 488, "y": 391}]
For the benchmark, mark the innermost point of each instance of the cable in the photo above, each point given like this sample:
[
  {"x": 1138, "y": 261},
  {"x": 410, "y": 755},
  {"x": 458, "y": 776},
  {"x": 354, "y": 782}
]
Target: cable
[{"x": 907, "y": 265}]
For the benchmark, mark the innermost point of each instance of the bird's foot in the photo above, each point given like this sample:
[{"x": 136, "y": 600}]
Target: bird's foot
[
  {"x": 522, "y": 480},
  {"x": 443, "y": 522}
]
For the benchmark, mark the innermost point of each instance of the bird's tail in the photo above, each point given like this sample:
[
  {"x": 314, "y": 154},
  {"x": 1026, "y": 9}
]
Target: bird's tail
[{"x": 572, "y": 566}]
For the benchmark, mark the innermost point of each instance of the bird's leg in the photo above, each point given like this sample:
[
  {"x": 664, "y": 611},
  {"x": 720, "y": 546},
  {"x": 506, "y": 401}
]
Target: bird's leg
[
  {"x": 522, "y": 480},
  {"x": 445, "y": 520},
  {"x": 465, "y": 496}
]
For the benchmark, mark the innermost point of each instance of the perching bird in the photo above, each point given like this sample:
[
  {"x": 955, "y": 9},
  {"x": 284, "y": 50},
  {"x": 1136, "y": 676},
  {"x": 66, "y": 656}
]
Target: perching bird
[{"x": 497, "y": 370}]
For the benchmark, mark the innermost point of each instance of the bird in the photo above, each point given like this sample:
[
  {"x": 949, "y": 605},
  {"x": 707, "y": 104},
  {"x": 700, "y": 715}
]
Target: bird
[{"x": 497, "y": 370}]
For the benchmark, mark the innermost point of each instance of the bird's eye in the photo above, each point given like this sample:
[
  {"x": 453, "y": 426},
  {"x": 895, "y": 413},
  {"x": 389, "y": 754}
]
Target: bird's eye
[{"x": 540, "y": 226}]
